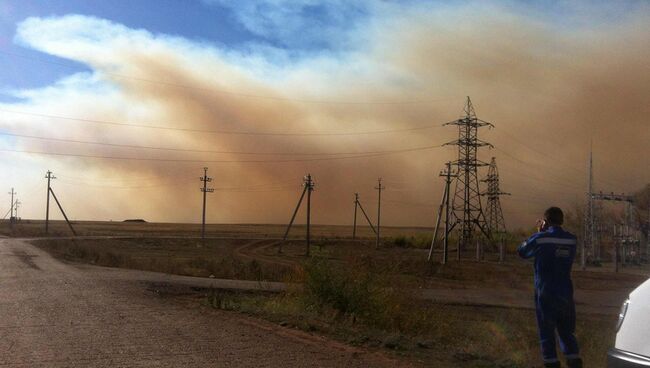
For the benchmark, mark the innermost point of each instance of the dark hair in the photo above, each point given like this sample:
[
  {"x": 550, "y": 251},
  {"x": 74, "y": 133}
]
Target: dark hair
[{"x": 554, "y": 216}]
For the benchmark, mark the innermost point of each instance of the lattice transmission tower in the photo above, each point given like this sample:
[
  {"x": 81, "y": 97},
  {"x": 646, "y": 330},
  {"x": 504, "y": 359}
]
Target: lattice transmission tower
[
  {"x": 493, "y": 212},
  {"x": 467, "y": 210}
]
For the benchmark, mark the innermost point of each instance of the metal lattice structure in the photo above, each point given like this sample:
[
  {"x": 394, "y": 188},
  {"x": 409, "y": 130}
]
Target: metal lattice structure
[
  {"x": 588, "y": 243},
  {"x": 493, "y": 212},
  {"x": 467, "y": 210}
]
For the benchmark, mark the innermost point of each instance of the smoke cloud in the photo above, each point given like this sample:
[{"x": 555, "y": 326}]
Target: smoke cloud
[{"x": 550, "y": 89}]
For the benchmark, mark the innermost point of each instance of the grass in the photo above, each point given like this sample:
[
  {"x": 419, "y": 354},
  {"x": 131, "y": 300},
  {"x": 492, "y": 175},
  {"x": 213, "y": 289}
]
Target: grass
[
  {"x": 175, "y": 256},
  {"x": 359, "y": 295},
  {"x": 373, "y": 313}
]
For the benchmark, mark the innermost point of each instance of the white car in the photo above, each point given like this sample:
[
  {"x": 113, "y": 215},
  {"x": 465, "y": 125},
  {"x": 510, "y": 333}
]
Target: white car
[{"x": 632, "y": 347}]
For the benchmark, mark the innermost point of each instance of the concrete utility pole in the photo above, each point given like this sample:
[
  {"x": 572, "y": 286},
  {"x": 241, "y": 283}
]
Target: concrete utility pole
[
  {"x": 17, "y": 205},
  {"x": 354, "y": 226},
  {"x": 11, "y": 209},
  {"x": 309, "y": 185},
  {"x": 205, "y": 179},
  {"x": 357, "y": 203},
  {"x": 379, "y": 188},
  {"x": 49, "y": 177},
  {"x": 444, "y": 204}
]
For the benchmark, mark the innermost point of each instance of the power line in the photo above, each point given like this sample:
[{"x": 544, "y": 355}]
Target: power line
[
  {"x": 361, "y": 155},
  {"x": 528, "y": 164},
  {"x": 158, "y": 148},
  {"x": 274, "y": 186},
  {"x": 218, "y": 131},
  {"x": 242, "y": 94},
  {"x": 547, "y": 155}
]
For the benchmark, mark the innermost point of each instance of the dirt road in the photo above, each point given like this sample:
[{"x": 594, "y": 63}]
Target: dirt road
[{"x": 59, "y": 315}]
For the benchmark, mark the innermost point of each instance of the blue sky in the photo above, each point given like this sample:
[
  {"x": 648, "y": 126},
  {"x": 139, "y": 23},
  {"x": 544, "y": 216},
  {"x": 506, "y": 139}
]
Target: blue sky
[
  {"x": 290, "y": 26},
  {"x": 294, "y": 27},
  {"x": 191, "y": 19}
]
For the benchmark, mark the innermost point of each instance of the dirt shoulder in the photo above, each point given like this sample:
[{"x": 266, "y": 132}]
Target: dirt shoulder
[{"x": 57, "y": 315}]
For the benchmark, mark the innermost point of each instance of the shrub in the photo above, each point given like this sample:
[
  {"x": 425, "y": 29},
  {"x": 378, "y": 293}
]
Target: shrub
[{"x": 353, "y": 291}]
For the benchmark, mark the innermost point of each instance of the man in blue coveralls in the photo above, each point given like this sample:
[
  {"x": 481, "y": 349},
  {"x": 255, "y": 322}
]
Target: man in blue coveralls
[{"x": 554, "y": 250}]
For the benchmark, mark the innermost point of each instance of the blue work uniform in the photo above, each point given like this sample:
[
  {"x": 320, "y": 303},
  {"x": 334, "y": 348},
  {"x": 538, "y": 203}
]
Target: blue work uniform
[{"x": 554, "y": 251}]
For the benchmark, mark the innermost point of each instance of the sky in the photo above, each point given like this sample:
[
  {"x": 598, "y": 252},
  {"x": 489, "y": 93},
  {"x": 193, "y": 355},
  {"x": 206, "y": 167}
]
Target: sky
[{"x": 127, "y": 101}]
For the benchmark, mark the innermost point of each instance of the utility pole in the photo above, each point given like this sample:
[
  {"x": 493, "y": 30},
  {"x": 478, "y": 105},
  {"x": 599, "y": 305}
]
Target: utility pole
[
  {"x": 467, "y": 209},
  {"x": 309, "y": 184},
  {"x": 354, "y": 226},
  {"x": 11, "y": 209},
  {"x": 49, "y": 177},
  {"x": 588, "y": 242},
  {"x": 308, "y": 187},
  {"x": 357, "y": 203},
  {"x": 617, "y": 240},
  {"x": 444, "y": 204},
  {"x": 17, "y": 204},
  {"x": 205, "y": 179},
  {"x": 379, "y": 188}
]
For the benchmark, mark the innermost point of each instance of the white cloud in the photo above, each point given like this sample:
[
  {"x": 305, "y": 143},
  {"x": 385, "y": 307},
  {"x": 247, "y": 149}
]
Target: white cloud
[{"x": 305, "y": 24}]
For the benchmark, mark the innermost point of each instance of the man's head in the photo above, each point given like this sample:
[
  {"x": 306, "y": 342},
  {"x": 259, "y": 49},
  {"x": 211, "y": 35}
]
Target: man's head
[{"x": 554, "y": 216}]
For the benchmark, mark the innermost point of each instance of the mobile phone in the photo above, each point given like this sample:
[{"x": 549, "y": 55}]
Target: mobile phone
[{"x": 543, "y": 226}]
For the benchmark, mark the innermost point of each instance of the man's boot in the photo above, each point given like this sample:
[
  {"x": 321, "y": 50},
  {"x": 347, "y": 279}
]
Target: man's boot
[
  {"x": 553, "y": 365},
  {"x": 574, "y": 363}
]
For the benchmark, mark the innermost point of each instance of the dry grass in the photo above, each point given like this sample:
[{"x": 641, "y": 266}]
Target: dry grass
[
  {"x": 355, "y": 293},
  {"x": 33, "y": 228},
  {"x": 176, "y": 256},
  {"x": 362, "y": 307}
]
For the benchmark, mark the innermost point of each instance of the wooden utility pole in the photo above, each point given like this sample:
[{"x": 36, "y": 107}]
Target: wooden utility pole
[
  {"x": 49, "y": 177},
  {"x": 205, "y": 179},
  {"x": 379, "y": 188}
]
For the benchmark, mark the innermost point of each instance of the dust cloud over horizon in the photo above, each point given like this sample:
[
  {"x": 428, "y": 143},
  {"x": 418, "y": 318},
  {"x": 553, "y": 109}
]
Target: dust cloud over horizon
[{"x": 550, "y": 92}]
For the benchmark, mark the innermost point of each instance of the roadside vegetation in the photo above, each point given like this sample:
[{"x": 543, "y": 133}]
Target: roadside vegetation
[
  {"x": 362, "y": 296},
  {"x": 360, "y": 305},
  {"x": 175, "y": 256}
]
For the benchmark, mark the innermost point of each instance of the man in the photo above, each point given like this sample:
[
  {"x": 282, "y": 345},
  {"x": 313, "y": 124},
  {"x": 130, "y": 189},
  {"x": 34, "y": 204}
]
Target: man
[{"x": 554, "y": 250}]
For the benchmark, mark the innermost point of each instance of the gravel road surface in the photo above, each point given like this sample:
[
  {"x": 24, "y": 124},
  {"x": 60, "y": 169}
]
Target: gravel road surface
[{"x": 54, "y": 314}]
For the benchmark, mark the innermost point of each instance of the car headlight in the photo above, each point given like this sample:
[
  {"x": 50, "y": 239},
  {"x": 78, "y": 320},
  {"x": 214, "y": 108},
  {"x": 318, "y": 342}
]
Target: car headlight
[{"x": 621, "y": 315}]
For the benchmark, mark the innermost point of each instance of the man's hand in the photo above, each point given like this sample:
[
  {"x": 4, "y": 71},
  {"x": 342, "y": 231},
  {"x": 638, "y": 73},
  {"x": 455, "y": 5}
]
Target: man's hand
[{"x": 541, "y": 225}]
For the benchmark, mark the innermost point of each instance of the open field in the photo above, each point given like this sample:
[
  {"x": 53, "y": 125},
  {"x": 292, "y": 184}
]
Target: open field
[
  {"x": 357, "y": 294},
  {"x": 29, "y": 228}
]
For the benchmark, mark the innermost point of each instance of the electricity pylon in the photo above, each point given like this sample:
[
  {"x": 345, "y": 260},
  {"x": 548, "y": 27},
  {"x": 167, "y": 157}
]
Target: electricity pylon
[
  {"x": 494, "y": 213},
  {"x": 467, "y": 210}
]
